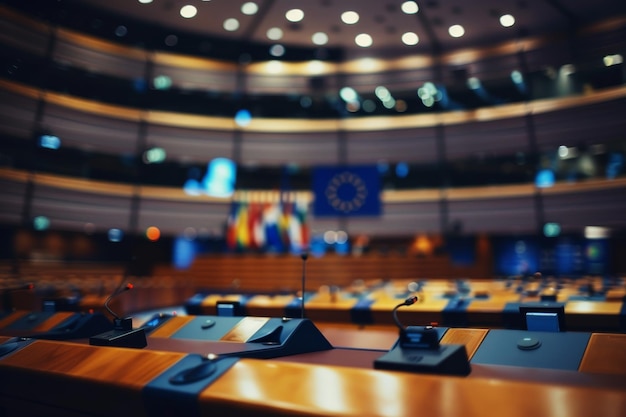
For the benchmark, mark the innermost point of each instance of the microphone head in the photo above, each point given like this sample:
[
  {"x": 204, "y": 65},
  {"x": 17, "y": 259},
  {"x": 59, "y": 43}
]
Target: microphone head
[
  {"x": 411, "y": 300},
  {"x": 304, "y": 255}
]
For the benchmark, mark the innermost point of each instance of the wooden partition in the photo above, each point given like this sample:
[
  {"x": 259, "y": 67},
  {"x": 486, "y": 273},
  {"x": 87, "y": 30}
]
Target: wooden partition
[{"x": 284, "y": 272}]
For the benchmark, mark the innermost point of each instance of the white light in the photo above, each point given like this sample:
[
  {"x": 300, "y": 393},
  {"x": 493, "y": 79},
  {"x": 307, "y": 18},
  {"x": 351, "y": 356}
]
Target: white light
[
  {"x": 145, "y": 1},
  {"x": 231, "y": 24},
  {"x": 410, "y": 7},
  {"x": 274, "y": 34},
  {"x": 363, "y": 40},
  {"x": 188, "y": 11},
  {"x": 315, "y": 67},
  {"x": 507, "y": 20},
  {"x": 294, "y": 15},
  {"x": 319, "y": 38},
  {"x": 382, "y": 93},
  {"x": 274, "y": 67},
  {"x": 594, "y": 232},
  {"x": 249, "y": 8},
  {"x": 277, "y": 50},
  {"x": 348, "y": 94},
  {"x": 473, "y": 83},
  {"x": 456, "y": 31},
  {"x": 350, "y": 17},
  {"x": 563, "y": 152},
  {"x": 517, "y": 77},
  {"x": 612, "y": 60},
  {"x": 342, "y": 237},
  {"x": 330, "y": 237},
  {"x": 410, "y": 38}
]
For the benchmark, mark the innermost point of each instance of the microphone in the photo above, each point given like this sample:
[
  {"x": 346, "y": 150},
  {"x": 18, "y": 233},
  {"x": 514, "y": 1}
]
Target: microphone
[
  {"x": 409, "y": 301},
  {"x": 415, "y": 337},
  {"x": 123, "y": 334},
  {"x": 115, "y": 293},
  {"x": 304, "y": 256}
]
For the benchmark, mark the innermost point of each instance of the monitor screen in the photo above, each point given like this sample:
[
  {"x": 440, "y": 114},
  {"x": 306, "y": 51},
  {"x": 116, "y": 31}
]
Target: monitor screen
[{"x": 545, "y": 317}]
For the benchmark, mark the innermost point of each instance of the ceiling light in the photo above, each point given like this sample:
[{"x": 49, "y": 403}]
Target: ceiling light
[
  {"x": 410, "y": 7},
  {"x": 363, "y": 40},
  {"x": 274, "y": 34},
  {"x": 456, "y": 31},
  {"x": 249, "y": 8},
  {"x": 320, "y": 38},
  {"x": 294, "y": 15},
  {"x": 277, "y": 50},
  {"x": 349, "y": 18},
  {"x": 231, "y": 24},
  {"x": 188, "y": 11},
  {"x": 507, "y": 20},
  {"x": 410, "y": 39},
  {"x": 145, "y": 1}
]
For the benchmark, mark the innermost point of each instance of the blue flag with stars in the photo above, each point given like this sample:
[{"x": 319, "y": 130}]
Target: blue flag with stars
[{"x": 346, "y": 191}]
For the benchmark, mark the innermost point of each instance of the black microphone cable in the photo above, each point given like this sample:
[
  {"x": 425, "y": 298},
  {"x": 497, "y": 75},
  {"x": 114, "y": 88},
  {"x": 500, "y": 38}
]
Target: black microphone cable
[{"x": 409, "y": 301}]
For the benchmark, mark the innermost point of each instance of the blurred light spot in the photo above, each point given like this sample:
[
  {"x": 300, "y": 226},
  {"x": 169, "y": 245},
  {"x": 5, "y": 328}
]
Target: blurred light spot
[
  {"x": 277, "y": 50},
  {"x": 154, "y": 156},
  {"x": 507, "y": 20},
  {"x": 249, "y": 8},
  {"x": 41, "y": 223},
  {"x": 319, "y": 38},
  {"x": 410, "y": 38},
  {"x": 115, "y": 235},
  {"x": 153, "y": 233},
  {"x": 364, "y": 40},
  {"x": 274, "y": 34},
  {"x": 456, "y": 31},
  {"x": 551, "y": 229},
  {"x": 243, "y": 118},
  {"x": 349, "y": 17},
  {"x": 410, "y": 7},
  {"x": 188, "y": 11},
  {"x": 402, "y": 169},
  {"x": 294, "y": 15},
  {"x": 49, "y": 142},
  {"x": 121, "y": 31},
  {"x": 231, "y": 24}
]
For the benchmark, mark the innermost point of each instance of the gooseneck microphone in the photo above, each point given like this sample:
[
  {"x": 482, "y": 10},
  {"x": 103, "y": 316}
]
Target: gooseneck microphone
[
  {"x": 304, "y": 256},
  {"x": 123, "y": 334},
  {"x": 115, "y": 293},
  {"x": 409, "y": 301}
]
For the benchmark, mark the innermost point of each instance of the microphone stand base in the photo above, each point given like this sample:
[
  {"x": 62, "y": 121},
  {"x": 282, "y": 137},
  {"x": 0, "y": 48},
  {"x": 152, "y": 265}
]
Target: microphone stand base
[
  {"x": 121, "y": 336},
  {"x": 444, "y": 360}
]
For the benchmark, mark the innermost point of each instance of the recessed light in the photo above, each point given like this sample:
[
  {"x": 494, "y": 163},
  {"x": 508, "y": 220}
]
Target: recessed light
[
  {"x": 231, "y": 24},
  {"x": 249, "y": 8},
  {"x": 456, "y": 31},
  {"x": 364, "y": 40},
  {"x": 410, "y": 7},
  {"x": 410, "y": 38},
  {"x": 319, "y": 38},
  {"x": 274, "y": 33},
  {"x": 294, "y": 15},
  {"x": 188, "y": 11},
  {"x": 507, "y": 20},
  {"x": 350, "y": 17}
]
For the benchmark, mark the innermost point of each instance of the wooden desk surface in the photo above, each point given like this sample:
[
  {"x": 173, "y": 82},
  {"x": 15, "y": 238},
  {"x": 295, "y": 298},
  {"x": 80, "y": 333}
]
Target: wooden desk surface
[
  {"x": 336, "y": 382},
  {"x": 322, "y": 390}
]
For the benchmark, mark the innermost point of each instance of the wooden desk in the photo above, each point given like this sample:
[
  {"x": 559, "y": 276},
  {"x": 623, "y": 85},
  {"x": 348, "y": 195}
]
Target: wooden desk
[{"x": 59, "y": 379}]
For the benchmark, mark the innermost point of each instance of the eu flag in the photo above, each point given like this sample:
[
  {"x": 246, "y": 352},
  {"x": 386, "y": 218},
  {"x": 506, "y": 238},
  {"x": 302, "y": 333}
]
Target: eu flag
[{"x": 346, "y": 191}]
